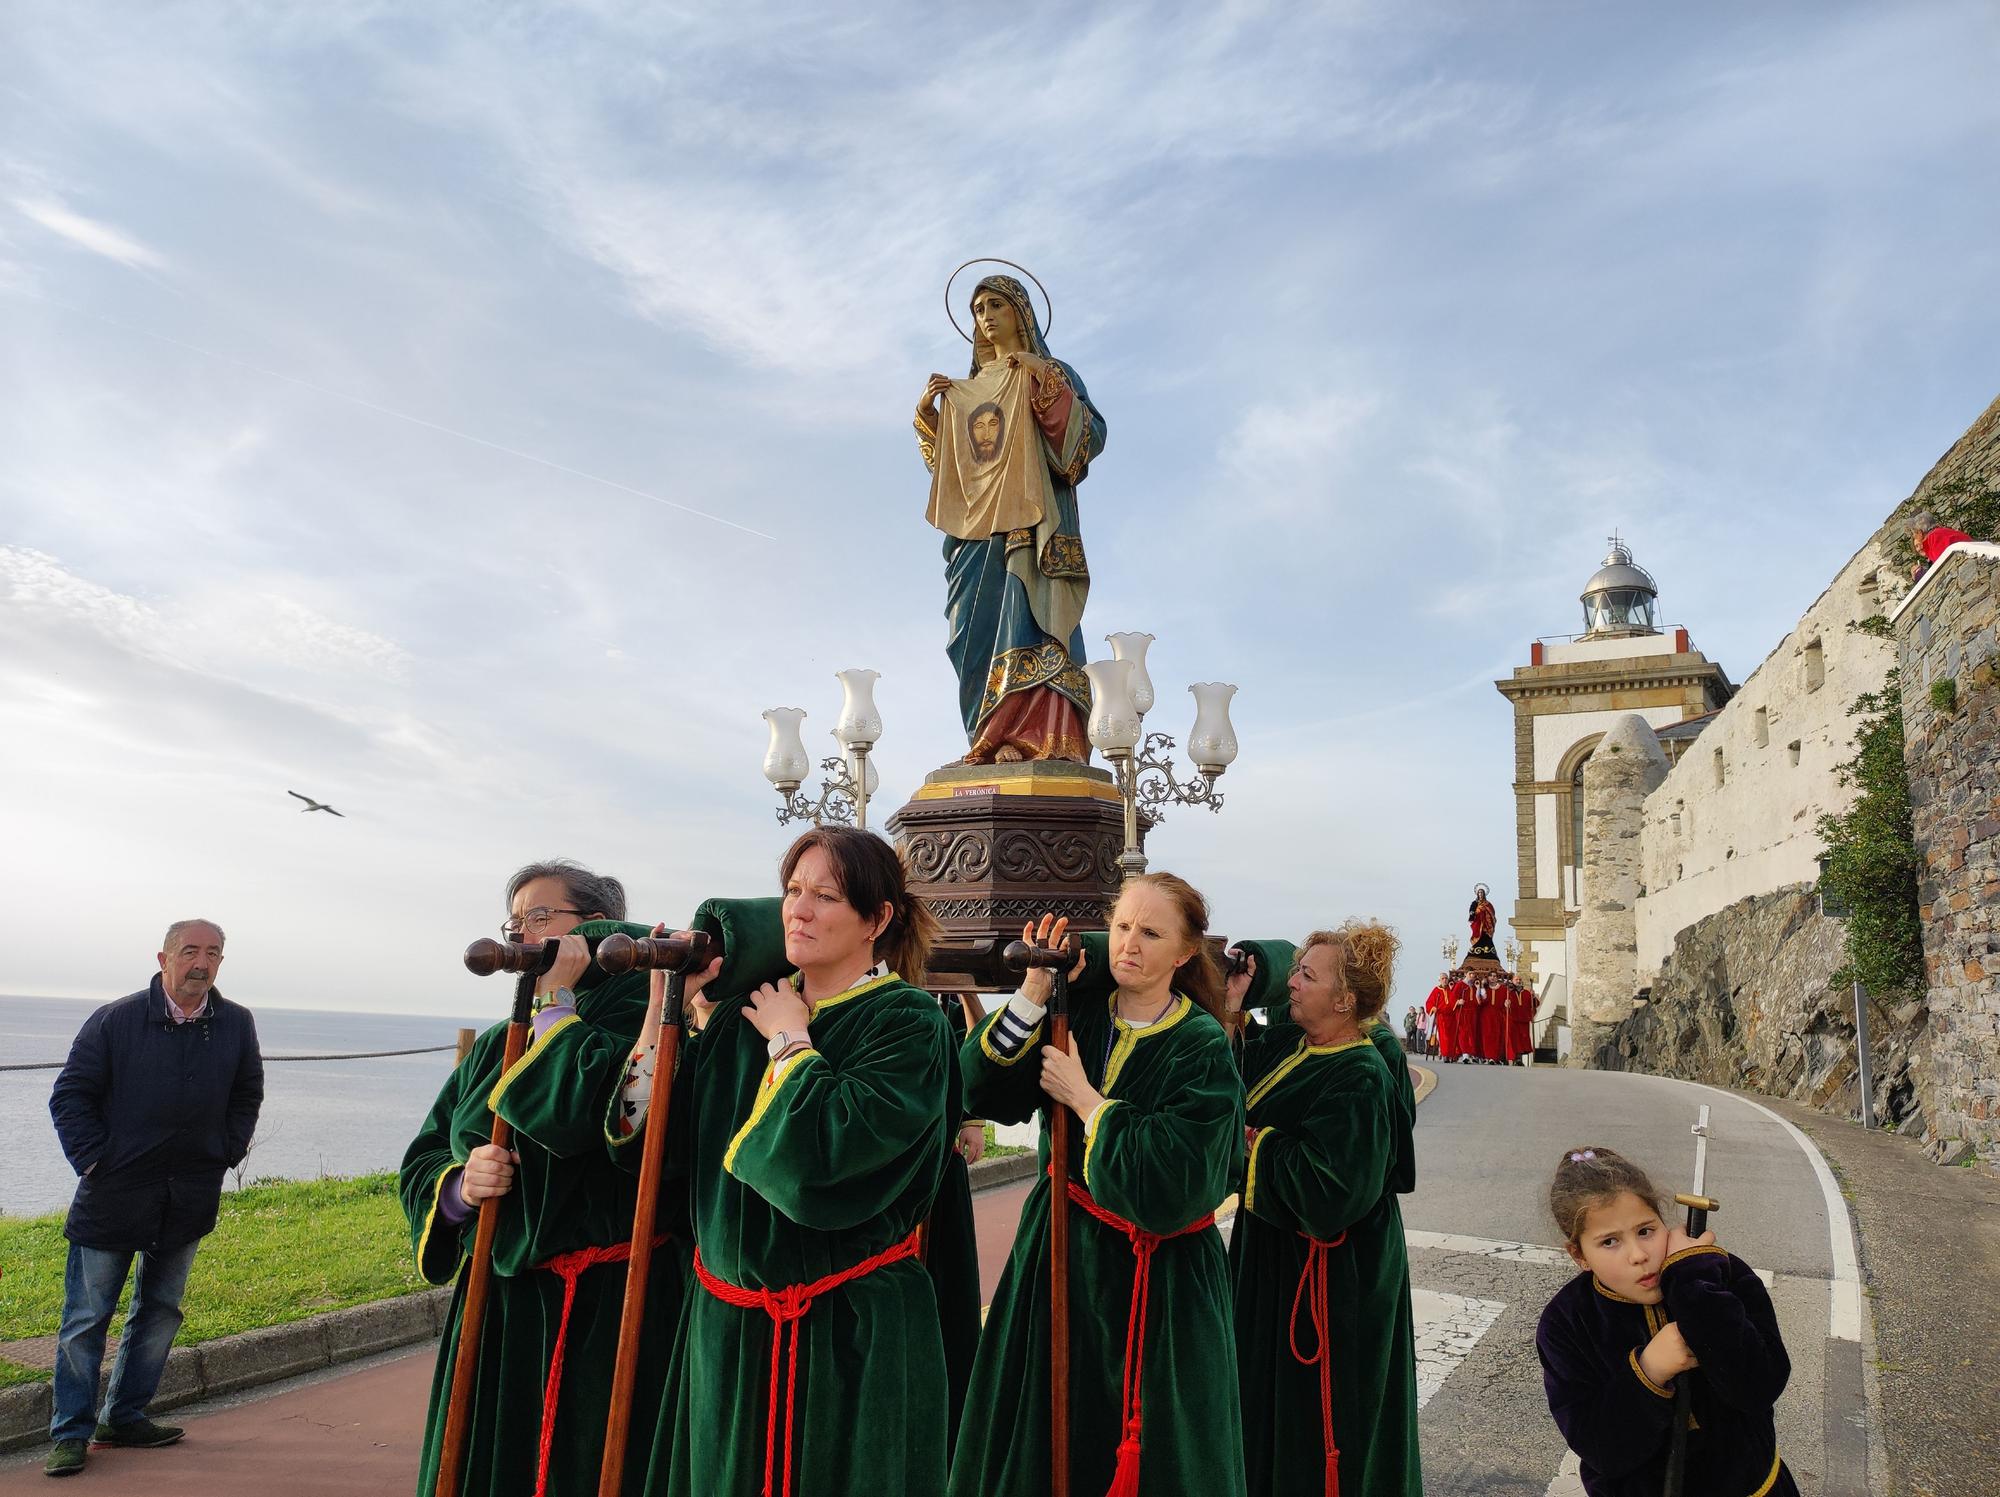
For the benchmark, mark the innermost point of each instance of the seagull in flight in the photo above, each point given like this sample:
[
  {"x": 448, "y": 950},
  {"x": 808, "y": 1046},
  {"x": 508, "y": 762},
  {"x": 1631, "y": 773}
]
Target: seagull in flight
[{"x": 313, "y": 805}]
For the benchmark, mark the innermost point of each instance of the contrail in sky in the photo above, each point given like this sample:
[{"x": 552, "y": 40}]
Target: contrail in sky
[{"x": 383, "y": 410}]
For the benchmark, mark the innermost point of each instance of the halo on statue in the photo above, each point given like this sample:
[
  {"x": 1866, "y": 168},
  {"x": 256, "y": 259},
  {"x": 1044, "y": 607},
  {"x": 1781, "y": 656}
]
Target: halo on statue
[
  {"x": 1048, "y": 307},
  {"x": 1479, "y": 891}
]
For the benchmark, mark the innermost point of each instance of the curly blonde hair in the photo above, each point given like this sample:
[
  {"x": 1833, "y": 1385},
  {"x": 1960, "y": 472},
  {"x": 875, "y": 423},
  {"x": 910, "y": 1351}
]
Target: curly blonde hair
[{"x": 1366, "y": 962}]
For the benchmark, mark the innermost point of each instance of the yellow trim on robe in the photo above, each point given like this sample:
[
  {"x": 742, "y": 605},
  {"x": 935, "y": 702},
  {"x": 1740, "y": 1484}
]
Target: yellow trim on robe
[
  {"x": 869, "y": 985},
  {"x": 1292, "y": 1062},
  {"x": 1250, "y": 1174},
  {"x": 430, "y": 1217},
  {"x": 528, "y": 1057},
  {"x": 1690, "y": 1252},
  {"x": 1652, "y": 1387},
  {"x": 767, "y": 1093},
  {"x": 1090, "y": 1136},
  {"x": 1034, "y": 1038},
  {"x": 1777, "y": 1460},
  {"x": 1129, "y": 1036}
]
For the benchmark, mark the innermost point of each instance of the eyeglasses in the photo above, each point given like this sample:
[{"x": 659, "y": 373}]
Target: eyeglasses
[{"x": 535, "y": 919}]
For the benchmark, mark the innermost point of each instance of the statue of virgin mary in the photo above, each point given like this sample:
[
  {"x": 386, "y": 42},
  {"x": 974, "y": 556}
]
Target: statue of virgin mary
[{"x": 1007, "y": 446}]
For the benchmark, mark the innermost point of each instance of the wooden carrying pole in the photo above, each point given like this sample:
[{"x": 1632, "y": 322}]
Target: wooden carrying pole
[
  {"x": 1059, "y": 1131},
  {"x": 483, "y": 958},
  {"x": 1698, "y": 1206},
  {"x": 616, "y": 954}
]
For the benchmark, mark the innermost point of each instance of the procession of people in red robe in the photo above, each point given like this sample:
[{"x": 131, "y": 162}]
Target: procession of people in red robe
[{"x": 1479, "y": 1018}]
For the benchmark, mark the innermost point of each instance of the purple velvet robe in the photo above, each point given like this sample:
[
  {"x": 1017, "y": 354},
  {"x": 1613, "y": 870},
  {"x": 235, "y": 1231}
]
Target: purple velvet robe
[{"x": 1619, "y": 1422}]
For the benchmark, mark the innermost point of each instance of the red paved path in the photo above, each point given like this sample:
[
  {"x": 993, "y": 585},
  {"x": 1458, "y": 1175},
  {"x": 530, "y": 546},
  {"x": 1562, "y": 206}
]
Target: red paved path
[{"x": 356, "y": 1433}]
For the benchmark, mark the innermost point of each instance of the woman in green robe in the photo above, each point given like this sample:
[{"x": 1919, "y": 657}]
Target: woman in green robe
[
  {"x": 811, "y": 1114},
  {"x": 563, "y": 1239},
  {"x": 1324, "y": 1337},
  {"x": 1160, "y": 1112}
]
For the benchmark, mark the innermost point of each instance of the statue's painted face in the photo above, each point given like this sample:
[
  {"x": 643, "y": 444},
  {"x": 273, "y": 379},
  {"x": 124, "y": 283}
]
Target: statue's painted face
[
  {"x": 997, "y": 319},
  {"x": 985, "y": 426}
]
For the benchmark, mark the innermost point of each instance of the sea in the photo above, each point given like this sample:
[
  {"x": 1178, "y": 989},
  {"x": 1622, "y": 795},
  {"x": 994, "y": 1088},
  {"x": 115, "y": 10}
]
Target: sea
[{"x": 320, "y": 1118}]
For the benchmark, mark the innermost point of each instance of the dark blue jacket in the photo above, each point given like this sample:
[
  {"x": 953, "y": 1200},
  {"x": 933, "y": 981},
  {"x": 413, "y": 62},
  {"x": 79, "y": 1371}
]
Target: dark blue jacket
[{"x": 150, "y": 1114}]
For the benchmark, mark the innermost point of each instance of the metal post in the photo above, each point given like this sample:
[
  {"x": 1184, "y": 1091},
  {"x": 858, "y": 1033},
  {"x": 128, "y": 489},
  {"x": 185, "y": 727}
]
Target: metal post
[
  {"x": 858, "y": 767},
  {"x": 1861, "y": 1054},
  {"x": 1131, "y": 862}
]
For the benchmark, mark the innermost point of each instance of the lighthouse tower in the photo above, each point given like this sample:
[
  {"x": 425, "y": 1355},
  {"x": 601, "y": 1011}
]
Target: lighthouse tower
[{"x": 1573, "y": 688}]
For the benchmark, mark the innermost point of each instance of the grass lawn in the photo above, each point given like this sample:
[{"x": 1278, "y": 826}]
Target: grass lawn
[{"x": 281, "y": 1250}]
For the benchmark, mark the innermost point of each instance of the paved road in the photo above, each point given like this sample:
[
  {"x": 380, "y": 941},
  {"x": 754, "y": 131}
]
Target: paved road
[
  {"x": 1481, "y": 1264},
  {"x": 1487, "y": 1142}
]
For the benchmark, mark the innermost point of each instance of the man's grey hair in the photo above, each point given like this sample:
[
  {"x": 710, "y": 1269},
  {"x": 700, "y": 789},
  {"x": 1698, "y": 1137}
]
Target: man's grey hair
[
  {"x": 174, "y": 932},
  {"x": 592, "y": 893}
]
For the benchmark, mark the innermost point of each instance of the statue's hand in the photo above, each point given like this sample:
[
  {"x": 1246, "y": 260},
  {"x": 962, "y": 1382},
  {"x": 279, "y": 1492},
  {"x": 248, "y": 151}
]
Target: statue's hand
[
  {"x": 1035, "y": 364},
  {"x": 934, "y": 387}
]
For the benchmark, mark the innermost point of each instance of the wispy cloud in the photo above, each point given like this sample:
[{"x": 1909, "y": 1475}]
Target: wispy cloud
[{"x": 88, "y": 233}]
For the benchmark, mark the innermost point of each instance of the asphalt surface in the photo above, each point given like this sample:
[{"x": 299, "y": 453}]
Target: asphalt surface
[
  {"x": 1488, "y": 1140},
  {"x": 1930, "y": 1258}
]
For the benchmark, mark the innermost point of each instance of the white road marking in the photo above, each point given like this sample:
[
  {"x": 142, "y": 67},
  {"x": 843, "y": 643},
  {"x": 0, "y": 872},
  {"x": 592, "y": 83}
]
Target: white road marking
[
  {"x": 1569, "y": 1477},
  {"x": 1484, "y": 1247},
  {"x": 1447, "y": 1326},
  {"x": 1517, "y": 1252},
  {"x": 1844, "y": 1308}
]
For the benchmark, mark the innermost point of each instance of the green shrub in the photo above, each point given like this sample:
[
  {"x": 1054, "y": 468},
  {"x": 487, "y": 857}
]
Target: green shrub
[{"x": 1871, "y": 854}]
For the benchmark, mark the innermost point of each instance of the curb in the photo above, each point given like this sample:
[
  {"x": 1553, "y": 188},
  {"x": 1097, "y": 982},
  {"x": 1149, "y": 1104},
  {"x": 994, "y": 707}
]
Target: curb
[
  {"x": 1425, "y": 1078},
  {"x": 991, "y": 1172},
  {"x": 249, "y": 1359}
]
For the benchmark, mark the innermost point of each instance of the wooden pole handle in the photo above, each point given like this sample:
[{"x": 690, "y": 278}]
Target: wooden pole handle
[
  {"x": 638, "y": 1271},
  {"x": 486, "y": 956},
  {"x": 619, "y": 953},
  {"x": 478, "y": 1281},
  {"x": 1059, "y": 1132}
]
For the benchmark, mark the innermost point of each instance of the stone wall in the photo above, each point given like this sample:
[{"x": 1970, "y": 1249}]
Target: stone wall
[
  {"x": 1948, "y": 646},
  {"x": 1625, "y": 768},
  {"x": 1746, "y": 999}
]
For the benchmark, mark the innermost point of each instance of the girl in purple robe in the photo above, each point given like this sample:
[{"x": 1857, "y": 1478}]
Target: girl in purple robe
[{"x": 1651, "y": 1307}]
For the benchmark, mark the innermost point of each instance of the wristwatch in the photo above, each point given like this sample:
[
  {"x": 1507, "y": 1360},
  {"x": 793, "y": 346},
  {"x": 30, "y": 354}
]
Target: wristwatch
[{"x": 782, "y": 1041}]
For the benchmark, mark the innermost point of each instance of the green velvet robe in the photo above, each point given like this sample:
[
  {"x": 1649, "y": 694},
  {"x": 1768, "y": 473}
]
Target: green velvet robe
[
  {"x": 1403, "y": 1173},
  {"x": 952, "y": 1257},
  {"x": 1322, "y": 1163},
  {"x": 1162, "y": 1156},
  {"x": 836, "y": 1163},
  {"x": 568, "y": 1194}
]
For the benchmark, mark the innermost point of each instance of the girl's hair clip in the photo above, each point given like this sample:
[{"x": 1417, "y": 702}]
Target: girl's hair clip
[{"x": 1580, "y": 1158}]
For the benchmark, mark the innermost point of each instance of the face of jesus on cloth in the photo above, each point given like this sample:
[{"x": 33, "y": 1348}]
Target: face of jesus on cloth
[
  {"x": 985, "y": 426},
  {"x": 823, "y": 930},
  {"x": 1624, "y": 1243},
  {"x": 1149, "y": 941}
]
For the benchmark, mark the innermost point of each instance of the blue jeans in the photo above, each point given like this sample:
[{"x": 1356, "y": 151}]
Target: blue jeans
[{"x": 92, "y": 1283}]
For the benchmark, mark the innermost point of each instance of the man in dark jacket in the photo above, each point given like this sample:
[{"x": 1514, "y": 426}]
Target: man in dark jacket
[{"x": 159, "y": 1097}]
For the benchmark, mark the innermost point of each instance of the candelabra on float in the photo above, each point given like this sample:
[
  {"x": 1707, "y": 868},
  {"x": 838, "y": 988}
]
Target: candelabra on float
[
  {"x": 849, "y": 778},
  {"x": 1121, "y": 694}
]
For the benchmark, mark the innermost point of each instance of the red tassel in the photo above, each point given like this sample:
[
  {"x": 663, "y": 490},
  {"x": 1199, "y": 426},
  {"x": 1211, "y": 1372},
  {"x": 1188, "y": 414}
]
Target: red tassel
[
  {"x": 1333, "y": 1474},
  {"x": 1125, "y": 1479}
]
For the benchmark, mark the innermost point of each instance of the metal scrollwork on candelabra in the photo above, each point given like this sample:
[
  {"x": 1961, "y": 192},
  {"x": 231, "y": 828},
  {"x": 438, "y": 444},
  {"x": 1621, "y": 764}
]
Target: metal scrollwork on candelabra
[
  {"x": 835, "y": 805},
  {"x": 1157, "y": 787}
]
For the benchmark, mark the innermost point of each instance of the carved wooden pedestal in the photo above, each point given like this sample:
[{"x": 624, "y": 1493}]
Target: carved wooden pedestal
[{"x": 992, "y": 846}]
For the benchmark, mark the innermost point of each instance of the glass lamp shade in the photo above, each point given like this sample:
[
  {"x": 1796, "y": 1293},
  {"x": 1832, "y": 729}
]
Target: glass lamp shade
[
  {"x": 859, "y": 721},
  {"x": 871, "y": 777},
  {"x": 1212, "y": 743},
  {"x": 785, "y": 761},
  {"x": 1114, "y": 717},
  {"x": 1132, "y": 647}
]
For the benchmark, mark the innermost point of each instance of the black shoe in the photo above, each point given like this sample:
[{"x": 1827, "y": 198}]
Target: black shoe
[
  {"x": 67, "y": 1458},
  {"x": 140, "y": 1434}
]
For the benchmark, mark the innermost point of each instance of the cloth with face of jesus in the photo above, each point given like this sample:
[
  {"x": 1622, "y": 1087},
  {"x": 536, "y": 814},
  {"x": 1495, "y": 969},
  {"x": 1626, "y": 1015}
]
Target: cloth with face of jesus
[{"x": 990, "y": 475}]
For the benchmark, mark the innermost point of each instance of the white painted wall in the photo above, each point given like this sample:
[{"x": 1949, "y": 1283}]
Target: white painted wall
[
  {"x": 1757, "y": 831},
  {"x": 1620, "y": 647},
  {"x": 1548, "y": 878}
]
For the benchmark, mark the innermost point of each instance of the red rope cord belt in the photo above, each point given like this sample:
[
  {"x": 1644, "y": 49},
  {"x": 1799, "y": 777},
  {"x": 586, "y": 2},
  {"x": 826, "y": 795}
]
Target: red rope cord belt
[
  {"x": 787, "y": 1307},
  {"x": 569, "y": 1267},
  {"x": 1312, "y": 1289},
  {"x": 1125, "y": 1478}
]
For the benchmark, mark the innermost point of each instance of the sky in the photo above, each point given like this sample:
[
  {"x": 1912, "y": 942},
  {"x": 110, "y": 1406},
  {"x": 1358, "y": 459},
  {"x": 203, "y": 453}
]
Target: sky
[{"x": 474, "y": 416}]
